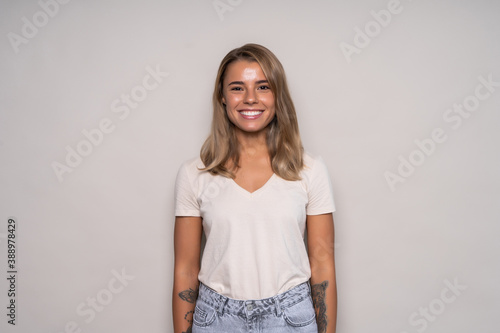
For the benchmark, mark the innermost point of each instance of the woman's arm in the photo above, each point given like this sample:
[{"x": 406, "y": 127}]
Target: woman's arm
[
  {"x": 187, "y": 243},
  {"x": 320, "y": 243}
]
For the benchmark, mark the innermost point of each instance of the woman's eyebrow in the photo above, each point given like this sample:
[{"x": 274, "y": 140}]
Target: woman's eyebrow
[
  {"x": 235, "y": 82},
  {"x": 241, "y": 82}
]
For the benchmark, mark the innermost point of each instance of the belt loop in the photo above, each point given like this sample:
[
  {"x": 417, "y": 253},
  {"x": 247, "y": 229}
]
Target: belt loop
[
  {"x": 221, "y": 304},
  {"x": 277, "y": 305}
]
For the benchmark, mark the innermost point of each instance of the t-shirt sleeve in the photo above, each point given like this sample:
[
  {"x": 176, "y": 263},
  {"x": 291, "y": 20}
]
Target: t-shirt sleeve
[
  {"x": 320, "y": 190},
  {"x": 186, "y": 202}
]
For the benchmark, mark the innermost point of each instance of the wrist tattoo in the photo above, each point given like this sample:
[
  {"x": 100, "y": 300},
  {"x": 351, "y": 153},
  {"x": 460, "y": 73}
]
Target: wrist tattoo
[
  {"x": 186, "y": 317},
  {"x": 189, "y": 318},
  {"x": 319, "y": 296},
  {"x": 189, "y": 295}
]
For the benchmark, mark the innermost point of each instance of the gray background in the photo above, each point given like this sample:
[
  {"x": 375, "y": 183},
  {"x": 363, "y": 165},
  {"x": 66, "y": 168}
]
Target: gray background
[{"x": 114, "y": 211}]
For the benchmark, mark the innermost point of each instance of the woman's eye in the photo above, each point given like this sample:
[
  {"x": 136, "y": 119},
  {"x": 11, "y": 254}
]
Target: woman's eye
[
  {"x": 264, "y": 87},
  {"x": 236, "y": 88}
]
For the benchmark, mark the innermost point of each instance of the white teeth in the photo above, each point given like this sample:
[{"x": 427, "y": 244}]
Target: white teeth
[{"x": 250, "y": 113}]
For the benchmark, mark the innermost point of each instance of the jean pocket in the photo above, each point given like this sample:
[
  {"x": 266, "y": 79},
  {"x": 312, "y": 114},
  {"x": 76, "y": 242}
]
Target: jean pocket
[
  {"x": 301, "y": 313},
  {"x": 204, "y": 314}
]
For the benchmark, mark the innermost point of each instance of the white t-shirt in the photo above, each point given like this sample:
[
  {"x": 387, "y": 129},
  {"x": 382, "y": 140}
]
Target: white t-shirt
[{"x": 255, "y": 241}]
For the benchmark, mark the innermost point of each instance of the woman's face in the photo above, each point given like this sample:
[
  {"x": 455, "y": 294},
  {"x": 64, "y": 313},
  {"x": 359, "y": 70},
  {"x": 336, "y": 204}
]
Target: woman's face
[{"x": 248, "y": 97}]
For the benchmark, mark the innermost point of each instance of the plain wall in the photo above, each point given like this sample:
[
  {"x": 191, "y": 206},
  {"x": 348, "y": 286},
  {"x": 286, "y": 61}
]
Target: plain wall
[{"x": 417, "y": 241}]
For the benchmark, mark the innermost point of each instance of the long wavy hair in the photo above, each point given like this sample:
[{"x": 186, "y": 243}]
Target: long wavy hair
[{"x": 282, "y": 133}]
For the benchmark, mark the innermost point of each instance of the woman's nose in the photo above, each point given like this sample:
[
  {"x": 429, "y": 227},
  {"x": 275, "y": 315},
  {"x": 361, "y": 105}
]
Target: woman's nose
[{"x": 250, "y": 97}]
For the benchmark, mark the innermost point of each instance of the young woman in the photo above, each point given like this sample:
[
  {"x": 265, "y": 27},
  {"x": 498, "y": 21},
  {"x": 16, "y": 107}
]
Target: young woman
[{"x": 253, "y": 191}]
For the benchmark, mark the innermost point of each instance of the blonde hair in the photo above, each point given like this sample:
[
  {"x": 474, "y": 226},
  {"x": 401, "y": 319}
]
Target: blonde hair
[{"x": 282, "y": 137}]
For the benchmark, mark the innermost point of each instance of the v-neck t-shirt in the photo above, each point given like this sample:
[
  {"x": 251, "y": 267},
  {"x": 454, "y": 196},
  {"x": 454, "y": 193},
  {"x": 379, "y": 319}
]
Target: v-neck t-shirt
[{"x": 254, "y": 240}]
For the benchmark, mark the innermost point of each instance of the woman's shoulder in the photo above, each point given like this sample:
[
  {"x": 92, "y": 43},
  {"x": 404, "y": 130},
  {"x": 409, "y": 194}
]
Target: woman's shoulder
[
  {"x": 311, "y": 161},
  {"x": 192, "y": 167},
  {"x": 314, "y": 167}
]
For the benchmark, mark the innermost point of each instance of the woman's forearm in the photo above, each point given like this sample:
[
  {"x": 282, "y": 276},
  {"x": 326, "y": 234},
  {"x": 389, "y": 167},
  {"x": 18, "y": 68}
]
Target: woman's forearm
[{"x": 187, "y": 240}]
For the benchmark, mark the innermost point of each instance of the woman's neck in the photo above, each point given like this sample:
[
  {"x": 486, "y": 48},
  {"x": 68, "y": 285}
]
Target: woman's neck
[{"x": 252, "y": 144}]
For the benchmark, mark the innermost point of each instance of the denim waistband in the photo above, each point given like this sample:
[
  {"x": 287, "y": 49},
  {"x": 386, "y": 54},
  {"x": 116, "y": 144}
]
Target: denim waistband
[{"x": 249, "y": 308}]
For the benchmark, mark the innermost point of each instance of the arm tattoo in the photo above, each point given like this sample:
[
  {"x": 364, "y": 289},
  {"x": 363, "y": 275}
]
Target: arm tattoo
[
  {"x": 319, "y": 295},
  {"x": 190, "y": 328},
  {"x": 189, "y": 295},
  {"x": 190, "y": 321}
]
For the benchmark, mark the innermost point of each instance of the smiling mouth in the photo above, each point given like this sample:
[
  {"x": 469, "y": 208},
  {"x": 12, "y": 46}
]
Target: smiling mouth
[{"x": 251, "y": 113}]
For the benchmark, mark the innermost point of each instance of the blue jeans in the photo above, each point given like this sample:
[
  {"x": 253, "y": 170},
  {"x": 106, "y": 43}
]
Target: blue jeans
[{"x": 291, "y": 311}]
